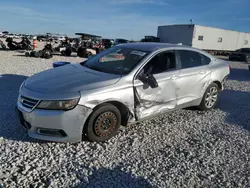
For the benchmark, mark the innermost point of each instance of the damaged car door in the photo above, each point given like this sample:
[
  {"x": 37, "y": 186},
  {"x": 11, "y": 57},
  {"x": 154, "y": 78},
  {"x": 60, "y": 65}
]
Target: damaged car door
[
  {"x": 194, "y": 76},
  {"x": 154, "y": 88}
]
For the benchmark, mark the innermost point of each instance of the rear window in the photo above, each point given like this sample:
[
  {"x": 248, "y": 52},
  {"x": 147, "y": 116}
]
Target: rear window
[
  {"x": 205, "y": 60},
  {"x": 190, "y": 59}
]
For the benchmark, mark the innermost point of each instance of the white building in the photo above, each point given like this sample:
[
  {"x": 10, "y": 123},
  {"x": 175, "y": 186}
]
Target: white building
[{"x": 205, "y": 38}]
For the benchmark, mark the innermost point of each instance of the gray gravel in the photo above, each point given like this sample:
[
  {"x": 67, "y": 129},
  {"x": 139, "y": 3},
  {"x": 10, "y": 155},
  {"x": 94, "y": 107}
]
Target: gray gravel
[{"x": 185, "y": 148}]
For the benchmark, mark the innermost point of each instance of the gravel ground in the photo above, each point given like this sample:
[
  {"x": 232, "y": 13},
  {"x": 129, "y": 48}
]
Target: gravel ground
[{"x": 185, "y": 148}]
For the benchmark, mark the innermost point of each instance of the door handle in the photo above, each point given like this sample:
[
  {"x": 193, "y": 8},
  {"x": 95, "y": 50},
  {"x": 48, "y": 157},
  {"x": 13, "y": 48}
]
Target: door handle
[
  {"x": 203, "y": 72},
  {"x": 174, "y": 77}
]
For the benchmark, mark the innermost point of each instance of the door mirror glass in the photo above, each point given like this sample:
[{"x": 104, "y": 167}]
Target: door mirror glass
[{"x": 149, "y": 79}]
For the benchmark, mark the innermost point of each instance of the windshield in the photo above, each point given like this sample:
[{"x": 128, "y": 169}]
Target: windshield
[{"x": 116, "y": 60}]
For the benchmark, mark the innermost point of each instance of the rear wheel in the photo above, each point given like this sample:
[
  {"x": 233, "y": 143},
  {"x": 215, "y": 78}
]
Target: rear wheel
[
  {"x": 81, "y": 52},
  {"x": 103, "y": 124},
  {"x": 46, "y": 54},
  {"x": 210, "y": 97},
  {"x": 27, "y": 54},
  {"x": 68, "y": 52}
]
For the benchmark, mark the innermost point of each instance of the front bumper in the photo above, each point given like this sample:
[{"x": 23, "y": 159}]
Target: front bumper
[{"x": 54, "y": 125}]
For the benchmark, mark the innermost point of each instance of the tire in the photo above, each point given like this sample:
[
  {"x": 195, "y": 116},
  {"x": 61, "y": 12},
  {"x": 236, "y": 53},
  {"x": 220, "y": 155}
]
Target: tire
[
  {"x": 68, "y": 52},
  {"x": 46, "y": 54},
  {"x": 81, "y": 52},
  {"x": 96, "y": 130},
  {"x": 208, "y": 96},
  {"x": 27, "y": 54},
  {"x": 37, "y": 54}
]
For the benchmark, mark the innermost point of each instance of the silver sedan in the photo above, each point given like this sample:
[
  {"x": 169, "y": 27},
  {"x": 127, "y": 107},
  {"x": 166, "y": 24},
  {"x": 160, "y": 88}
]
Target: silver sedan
[{"x": 122, "y": 85}]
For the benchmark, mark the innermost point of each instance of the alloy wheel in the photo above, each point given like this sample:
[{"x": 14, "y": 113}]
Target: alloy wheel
[{"x": 211, "y": 97}]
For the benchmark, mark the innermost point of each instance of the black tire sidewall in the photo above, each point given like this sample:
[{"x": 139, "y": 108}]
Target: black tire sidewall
[
  {"x": 81, "y": 52},
  {"x": 89, "y": 125},
  {"x": 68, "y": 52},
  {"x": 202, "y": 105}
]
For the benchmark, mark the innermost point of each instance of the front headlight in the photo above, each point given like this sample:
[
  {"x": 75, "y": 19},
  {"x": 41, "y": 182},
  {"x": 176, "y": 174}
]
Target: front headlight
[{"x": 58, "y": 105}]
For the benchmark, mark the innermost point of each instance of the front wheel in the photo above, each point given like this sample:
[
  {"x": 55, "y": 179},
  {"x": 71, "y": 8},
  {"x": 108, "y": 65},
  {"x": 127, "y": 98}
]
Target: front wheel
[
  {"x": 103, "y": 123},
  {"x": 210, "y": 97},
  {"x": 81, "y": 52}
]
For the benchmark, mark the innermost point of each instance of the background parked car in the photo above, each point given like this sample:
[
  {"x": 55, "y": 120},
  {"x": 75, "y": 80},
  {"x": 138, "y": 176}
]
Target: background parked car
[
  {"x": 242, "y": 54},
  {"x": 41, "y": 38},
  {"x": 106, "y": 42},
  {"x": 120, "y": 41}
]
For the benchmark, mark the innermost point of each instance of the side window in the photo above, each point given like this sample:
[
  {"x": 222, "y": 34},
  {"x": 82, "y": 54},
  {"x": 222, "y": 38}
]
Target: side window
[
  {"x": 160, "y": 63},
  {"x": 190, "y": 59},
  {"x": 205, "y": 60}
]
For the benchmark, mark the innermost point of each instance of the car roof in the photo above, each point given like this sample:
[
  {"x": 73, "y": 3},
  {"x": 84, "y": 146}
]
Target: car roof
[{"x": 152, "y": 46}]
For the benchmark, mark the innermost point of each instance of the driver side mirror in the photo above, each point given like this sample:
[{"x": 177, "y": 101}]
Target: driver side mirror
[{"x": 149, "y": 79}]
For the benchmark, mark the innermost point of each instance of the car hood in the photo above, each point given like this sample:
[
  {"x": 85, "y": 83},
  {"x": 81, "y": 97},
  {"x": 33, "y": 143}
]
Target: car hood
[{"x": 68, "y": 79}]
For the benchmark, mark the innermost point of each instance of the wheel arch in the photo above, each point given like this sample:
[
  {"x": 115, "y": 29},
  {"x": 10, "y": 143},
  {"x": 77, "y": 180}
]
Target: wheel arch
[{"x": 218, "y": 83}]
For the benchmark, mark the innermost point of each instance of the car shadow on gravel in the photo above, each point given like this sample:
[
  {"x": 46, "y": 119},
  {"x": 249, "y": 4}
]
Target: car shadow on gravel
[
  {"x": 114, "y": 178},
  {"x": 237, "y": 106},
  {"x": 239, "y": 74},
  {"x": 10, "y": 127}
]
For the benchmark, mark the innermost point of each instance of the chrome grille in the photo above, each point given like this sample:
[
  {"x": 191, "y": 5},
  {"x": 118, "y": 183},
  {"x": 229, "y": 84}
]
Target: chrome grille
[{"x": 28, "y": 102}]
